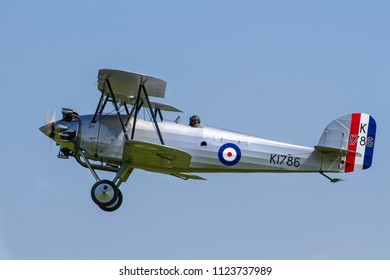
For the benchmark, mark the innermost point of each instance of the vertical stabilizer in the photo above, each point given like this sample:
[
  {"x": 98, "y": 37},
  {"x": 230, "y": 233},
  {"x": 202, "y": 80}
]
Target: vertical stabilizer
[{"x": 353, "y": 134}]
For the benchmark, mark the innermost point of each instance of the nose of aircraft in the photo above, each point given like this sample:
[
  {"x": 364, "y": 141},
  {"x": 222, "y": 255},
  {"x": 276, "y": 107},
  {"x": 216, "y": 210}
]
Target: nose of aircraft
[
  {"x": 42, "y": 129},
  {"x": 47, "y": 129}
]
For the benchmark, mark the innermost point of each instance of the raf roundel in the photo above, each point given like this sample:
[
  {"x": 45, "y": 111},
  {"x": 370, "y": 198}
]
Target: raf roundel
[{"x": 229, "y": 154}]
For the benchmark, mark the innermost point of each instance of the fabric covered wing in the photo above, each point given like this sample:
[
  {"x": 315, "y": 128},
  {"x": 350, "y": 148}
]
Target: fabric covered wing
[
  {"x": 157, "y": 157},
  {"x": 125, "y": 84},
  {"x": 156, "y": 105}
]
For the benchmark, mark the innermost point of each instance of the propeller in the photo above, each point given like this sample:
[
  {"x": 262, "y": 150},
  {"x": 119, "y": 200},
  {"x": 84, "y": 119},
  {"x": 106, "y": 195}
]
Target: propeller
[
  {"x": 48, "y": 128},
  {"x": 52, "y": 128}
]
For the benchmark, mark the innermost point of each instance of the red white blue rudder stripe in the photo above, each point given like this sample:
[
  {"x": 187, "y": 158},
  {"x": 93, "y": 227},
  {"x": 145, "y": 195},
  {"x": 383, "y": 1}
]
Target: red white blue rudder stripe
[{"x": 361, "y": 142}]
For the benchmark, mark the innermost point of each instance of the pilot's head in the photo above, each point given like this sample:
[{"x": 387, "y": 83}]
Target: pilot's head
[{"x": 195, "y": 121}]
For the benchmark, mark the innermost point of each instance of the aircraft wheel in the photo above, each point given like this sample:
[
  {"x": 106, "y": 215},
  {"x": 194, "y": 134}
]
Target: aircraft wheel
[
  {"x": 104, "y": 193},
  {"x": 115, "y": 205}
]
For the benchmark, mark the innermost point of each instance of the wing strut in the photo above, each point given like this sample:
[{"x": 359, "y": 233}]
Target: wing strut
[
  {"x": 138, "y": 105},
  {"x": 142, "y": 96},
  {"x": 99, "y": 106},
  {"x": 153, "y": 115},
  {"x": 117, "y": 109}
]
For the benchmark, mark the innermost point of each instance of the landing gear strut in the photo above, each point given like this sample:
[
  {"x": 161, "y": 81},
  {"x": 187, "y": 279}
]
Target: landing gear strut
[{"x": 106, "y": 193}]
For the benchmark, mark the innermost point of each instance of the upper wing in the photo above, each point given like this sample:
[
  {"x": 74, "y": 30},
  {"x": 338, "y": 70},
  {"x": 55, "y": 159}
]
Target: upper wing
[
  {"x": 125, "y": 85},
  {"x": 157, "y": 105},
  {"x": 155, "y": 157}
]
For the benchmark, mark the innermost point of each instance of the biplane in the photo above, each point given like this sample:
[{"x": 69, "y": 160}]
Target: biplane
[{"x": 119, "y": 140}]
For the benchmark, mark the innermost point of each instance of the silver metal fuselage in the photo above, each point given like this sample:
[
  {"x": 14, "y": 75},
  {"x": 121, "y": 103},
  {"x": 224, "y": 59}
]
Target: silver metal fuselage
[{"x": 104, "y": 141}]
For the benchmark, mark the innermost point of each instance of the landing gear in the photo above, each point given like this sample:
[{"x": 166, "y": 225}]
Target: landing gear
[
  {"x": 115, "y": 205},
  {"x": 106, "y": 195}
]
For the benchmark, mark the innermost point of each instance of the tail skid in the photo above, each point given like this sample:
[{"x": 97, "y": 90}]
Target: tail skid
[{"x": 332, "y": 180}]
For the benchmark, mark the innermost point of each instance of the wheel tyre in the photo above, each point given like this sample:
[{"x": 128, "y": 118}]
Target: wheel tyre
[
  {"x": 115, "y": 205},
  {"x": 104, "y": 193}
]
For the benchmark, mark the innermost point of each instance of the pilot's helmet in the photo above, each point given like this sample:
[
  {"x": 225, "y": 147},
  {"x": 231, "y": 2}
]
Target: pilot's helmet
[{"x": 194, "y": 120}]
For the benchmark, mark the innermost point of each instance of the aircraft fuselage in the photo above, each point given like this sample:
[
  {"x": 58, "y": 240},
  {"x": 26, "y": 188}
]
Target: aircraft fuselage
[{"x": 212, "y": 149}]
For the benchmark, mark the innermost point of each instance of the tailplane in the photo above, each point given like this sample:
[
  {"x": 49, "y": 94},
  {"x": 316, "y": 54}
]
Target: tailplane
[{"x": 353, "y": 137}]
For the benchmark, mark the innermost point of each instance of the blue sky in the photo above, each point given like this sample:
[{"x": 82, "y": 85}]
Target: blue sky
[{"x": 277, "y": 69}]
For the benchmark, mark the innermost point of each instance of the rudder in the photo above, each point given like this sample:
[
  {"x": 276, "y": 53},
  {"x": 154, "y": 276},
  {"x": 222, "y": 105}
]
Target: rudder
[
  {"x": 354, "y": 135},
  {"x": 361, "y": 140}
]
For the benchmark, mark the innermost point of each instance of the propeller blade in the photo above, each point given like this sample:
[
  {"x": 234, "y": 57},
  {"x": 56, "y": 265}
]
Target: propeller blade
[{"x": 48, "y": 128}]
